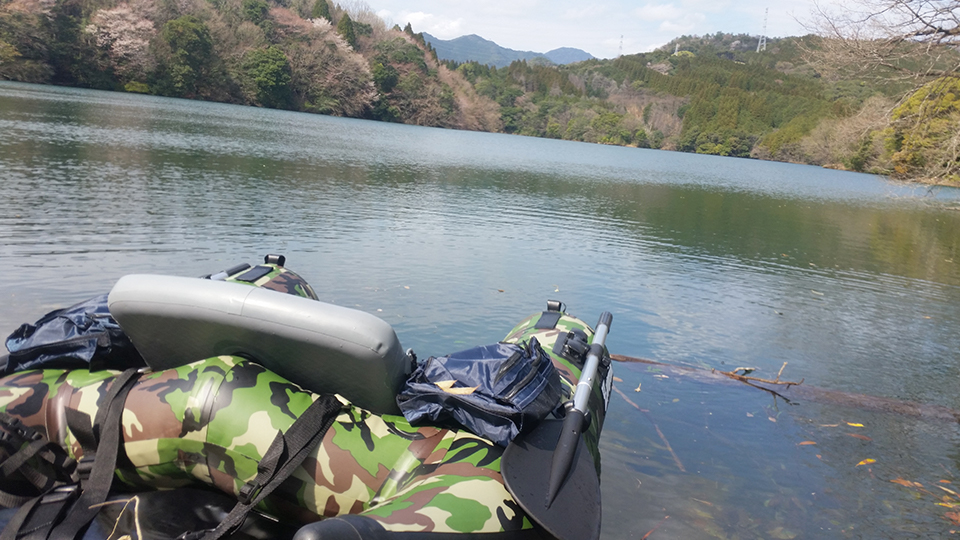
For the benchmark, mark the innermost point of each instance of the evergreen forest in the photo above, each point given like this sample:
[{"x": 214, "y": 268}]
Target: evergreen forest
[{"x": 712, "y": 94}]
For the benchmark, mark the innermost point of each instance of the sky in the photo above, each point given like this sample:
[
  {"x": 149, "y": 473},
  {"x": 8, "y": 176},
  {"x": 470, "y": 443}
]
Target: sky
[{"x": 595, "y": 26}]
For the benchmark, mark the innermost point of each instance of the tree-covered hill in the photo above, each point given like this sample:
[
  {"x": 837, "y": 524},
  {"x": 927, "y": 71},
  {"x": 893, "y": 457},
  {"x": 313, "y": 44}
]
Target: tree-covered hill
[{"x": 712, "y": 94}]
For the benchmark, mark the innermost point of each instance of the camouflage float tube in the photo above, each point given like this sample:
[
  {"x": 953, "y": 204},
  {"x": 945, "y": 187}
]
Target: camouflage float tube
[{"x": 210, "y": 422}]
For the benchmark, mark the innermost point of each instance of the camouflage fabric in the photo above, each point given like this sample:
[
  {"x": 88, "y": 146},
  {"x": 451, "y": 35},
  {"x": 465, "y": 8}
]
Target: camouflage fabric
[
  {"x": 570, "y": 373},
  {"x": 278, "y": 279},
  {"x": 211, "y": 421}
]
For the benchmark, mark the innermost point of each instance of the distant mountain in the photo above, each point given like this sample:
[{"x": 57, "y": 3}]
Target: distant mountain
[
  {"x": 568, "y": 55},
  {"x": 475, "y": 48}
]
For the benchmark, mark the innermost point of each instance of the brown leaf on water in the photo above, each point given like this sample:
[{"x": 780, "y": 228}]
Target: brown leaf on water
[
  {"x": 617, "y": 379},
  {"x": 945, "y": 481},
  {"x": 806, "y": 443},
  {"x": 866, "y": 462},
  {"x": 950, "y": 491},
  {"x": 906, "y": 483},
  {"x": 953, "y": 516},
  {"x": 861, "y": 437}
]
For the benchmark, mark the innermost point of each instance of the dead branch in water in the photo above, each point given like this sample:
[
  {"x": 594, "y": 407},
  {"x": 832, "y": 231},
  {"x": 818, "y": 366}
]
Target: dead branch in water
[
  {"x": 743, "y": 378},
  {"x": 820, "y": 395}
]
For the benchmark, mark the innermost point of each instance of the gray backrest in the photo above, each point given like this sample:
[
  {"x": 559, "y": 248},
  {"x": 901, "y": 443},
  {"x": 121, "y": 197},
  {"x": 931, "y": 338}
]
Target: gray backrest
[{"x": 322, "y": 347}]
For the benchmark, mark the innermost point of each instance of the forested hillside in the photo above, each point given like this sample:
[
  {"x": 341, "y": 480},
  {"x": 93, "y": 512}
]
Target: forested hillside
[
  {"x": 713, "y": 94},
  {"x": 306, "y": 55}
]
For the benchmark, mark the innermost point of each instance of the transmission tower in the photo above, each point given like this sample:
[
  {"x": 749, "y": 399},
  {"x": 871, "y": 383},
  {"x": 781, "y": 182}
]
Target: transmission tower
[{"x": 762, "y": 44}]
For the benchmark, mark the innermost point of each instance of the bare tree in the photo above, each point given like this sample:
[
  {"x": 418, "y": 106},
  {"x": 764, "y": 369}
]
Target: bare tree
[{"x": 915, "y": 39}]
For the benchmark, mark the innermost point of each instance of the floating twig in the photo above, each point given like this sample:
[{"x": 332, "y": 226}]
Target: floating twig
[
  {"x": 665, "y": 518},
  {"x": 743, "y": 378}
]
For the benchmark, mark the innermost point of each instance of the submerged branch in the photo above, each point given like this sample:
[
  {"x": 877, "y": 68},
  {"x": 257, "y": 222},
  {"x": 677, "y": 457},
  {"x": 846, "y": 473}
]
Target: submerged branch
[
  {"x": 743, "y": 378},
  {"x": 795, "y": 392},
  {"x": 655, "y": 426}
]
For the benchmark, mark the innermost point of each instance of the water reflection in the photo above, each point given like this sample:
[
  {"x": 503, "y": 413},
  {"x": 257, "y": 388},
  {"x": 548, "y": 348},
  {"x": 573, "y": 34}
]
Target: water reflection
[{"x": 452, "y": 237}]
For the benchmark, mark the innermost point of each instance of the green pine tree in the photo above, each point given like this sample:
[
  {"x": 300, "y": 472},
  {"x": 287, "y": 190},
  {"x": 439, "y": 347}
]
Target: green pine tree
[
  {"x": 321, "y": 9},
  {"x": 345, "y": 29}
]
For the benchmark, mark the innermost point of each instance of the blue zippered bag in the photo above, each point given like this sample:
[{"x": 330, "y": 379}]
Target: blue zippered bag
[{"x": 494, "y": 391}]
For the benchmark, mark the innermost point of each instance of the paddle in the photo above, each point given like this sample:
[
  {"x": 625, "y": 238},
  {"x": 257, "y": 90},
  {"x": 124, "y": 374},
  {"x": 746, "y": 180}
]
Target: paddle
[{"x": 549, "y": 470}]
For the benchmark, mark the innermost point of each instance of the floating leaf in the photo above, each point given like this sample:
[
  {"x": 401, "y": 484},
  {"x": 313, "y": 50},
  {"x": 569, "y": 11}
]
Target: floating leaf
[
  {"x": 806, "y": 443},
  {"x": 906, "y": 483},
  {"x": 953, "y": 516},
  {"x": 851, "y": 424},
  {"x": 637, "y": 389},
  {"x": 950, "y": 491},
  {"x": 772, "y": 419},
  {"x": 617, "y": 379},
  {"x": 749, "y": 415},
  {"x": 861, "y": 437},
  {"x": 818, "y": 293},
  {"x": 866, "y": 462},
  {"x": 675, "y": 400},
  {"x": 945, "y": 482},
  {"x": 829, "y": 425}
]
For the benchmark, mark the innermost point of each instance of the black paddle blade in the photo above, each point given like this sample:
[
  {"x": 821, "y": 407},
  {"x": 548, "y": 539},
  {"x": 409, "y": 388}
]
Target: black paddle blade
[{"x": 575, "y": 512}]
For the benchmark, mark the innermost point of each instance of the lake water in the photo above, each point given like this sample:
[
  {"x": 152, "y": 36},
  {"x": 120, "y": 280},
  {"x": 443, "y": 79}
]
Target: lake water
[{"x": 453, "y": 237}]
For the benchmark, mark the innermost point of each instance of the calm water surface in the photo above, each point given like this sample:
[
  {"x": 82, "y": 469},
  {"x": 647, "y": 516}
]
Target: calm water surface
[{"x": 453, "y": 237}]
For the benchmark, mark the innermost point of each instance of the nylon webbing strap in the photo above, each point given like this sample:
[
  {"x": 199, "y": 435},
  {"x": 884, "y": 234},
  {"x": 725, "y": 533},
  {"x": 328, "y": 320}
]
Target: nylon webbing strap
[
  {"x": 51, "y": 468},
  {"x": 97, "y": 487},
  {"x": 286, "y": 453}
]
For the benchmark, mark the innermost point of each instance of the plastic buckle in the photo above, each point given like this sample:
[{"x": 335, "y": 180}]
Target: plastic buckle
[
  {"x": 62, "y": 493},
  {"x": 14, "y": 427},
  {"x": 85, "y": 467},
  {"x": 249, "y": 491}
]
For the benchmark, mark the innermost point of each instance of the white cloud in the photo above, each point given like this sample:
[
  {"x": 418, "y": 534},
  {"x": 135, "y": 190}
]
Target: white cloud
[
  {"x": 590, "y": 11},
  {"x": 441, "y": 27},
  {"x": 658, "y": 12},
  {"x": 684, "y": 27}
]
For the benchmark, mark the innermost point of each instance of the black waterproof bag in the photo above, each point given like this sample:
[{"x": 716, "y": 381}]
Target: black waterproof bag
[
  {"x": 80, "y": 336},
  {"x": 494, "y": 391}
]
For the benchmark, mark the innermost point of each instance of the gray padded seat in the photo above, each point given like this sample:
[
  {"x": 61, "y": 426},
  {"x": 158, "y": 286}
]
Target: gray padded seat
[{"x": 322, "y": 347}]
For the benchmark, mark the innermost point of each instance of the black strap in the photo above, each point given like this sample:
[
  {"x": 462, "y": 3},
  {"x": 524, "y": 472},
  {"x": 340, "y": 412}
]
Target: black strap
[
  {"x": 97, "y": 487},
  {"x": 548, "y": 320},
  {"x": 45, "y": 465},
  {"x": 286, "y": 453},
  {"x": 18, "y": 519}
]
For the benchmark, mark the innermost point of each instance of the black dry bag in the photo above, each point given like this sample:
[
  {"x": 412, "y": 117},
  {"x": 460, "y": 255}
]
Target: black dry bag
[
  {"x": 494, "y": 391},
  {"x": 80, "y": 336}
]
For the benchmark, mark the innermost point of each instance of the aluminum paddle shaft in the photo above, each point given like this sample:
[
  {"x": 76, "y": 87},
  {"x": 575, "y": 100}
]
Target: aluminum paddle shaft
[{"x": 574, "y": 422}]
